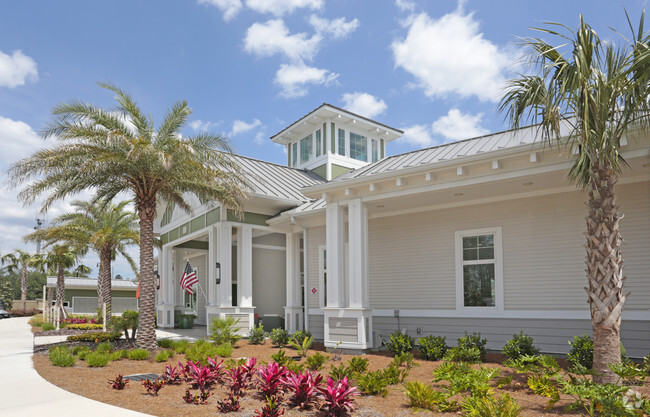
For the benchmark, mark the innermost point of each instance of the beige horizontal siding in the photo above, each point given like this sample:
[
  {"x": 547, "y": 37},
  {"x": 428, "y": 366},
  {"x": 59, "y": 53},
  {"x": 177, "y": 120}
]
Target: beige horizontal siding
[
  {"x": 315, "y": 238},
  {"x": 269, "y": 281},
  {"x": 317, "y": 326},
  {"x": 343, "y": 329}
]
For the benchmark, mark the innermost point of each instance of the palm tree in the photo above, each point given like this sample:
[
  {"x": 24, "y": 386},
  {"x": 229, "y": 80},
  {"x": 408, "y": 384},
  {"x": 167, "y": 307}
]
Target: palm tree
[
  {"x": 107, "y": 228},
  {"x": 56, "y": 260},
  {"x": 19, "y": 260},
  {"x": 120, "y": 151},
  {"x": 598, "y": 90}
]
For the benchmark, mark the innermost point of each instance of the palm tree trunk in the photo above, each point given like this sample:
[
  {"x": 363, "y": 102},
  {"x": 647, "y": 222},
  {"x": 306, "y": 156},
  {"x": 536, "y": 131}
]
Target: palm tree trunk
[
  {"x": 604, "y": 271},
  {"x": 147, "y": 332},
  {"x": 23, "y": 287},
  {"x": 107, "y": 296},
  {"x": 60, "y": 290},
  {"x": 100, "y": 284}
]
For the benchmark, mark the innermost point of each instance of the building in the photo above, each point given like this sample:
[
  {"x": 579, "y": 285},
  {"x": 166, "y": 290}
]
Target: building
[
  {"x": 484, "y": 234},
  {"x": 81, "y": 295}
]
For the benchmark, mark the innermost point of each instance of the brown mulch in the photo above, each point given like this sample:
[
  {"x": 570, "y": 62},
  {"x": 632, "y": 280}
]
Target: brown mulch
[{"x": 92, "y": 383}]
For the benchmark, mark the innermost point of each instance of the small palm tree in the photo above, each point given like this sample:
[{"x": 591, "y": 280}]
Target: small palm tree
[
  {"x": 600, "y": 92},
  {"x": 120, "y": 151},
  {"x": 19, "y": 260},
  {"x": 55, "y": 261},
  {"x": 107, "y": 228}
]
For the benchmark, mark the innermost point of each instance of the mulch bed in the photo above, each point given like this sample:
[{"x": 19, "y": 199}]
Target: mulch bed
[{"x": 92, "y": 383}]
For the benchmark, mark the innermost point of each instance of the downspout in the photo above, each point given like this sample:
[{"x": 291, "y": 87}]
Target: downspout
[{"x": 305, "y": 291}]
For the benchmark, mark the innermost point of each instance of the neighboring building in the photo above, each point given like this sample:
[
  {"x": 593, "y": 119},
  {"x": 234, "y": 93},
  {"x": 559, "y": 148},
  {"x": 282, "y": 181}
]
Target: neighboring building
[
  {"x": 484, "y": 234},
  {"x": 81, "y": 295}
]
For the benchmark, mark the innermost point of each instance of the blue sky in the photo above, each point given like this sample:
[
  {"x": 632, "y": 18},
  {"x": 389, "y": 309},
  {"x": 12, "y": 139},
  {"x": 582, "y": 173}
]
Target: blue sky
[{"x": 248, "y": 68}]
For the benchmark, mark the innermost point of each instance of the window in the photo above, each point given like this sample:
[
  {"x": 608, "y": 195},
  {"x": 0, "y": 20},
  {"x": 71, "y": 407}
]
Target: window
[
  {"x": 306, "y": 147},
  {"x": 294, "y": 155},
  {"x": 341, "y": 142},
  {"x": 322, "y": 269},
  {"x": 319, "y": 144},
  {"x": 479, "y": 270},
  {"x": 375, "y": 151},
  {"x": 358, "y": 147}
]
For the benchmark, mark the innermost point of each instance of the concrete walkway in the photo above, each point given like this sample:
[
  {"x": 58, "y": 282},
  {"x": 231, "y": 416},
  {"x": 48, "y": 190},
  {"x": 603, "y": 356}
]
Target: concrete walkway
[{"x": 22, "y": 390}]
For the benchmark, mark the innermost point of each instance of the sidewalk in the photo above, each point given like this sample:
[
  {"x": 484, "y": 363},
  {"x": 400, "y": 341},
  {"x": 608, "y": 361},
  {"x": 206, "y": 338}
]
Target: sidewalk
[{"x": 22, "y": 390}]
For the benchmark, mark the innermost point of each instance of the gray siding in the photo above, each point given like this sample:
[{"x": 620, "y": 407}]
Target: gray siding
[
  {"x": 551, "y": 336},
  {"x": 343, "y": 329},
  {"x": 315, "y": 238},
  {"x": 269, "y": 281},
  {"x": 317, "y": 327},
  {"x": 243, "y": 324}
]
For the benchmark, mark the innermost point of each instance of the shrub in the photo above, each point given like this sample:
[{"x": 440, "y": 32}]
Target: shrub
[
  {"x": 48, "y": 326},
  {"x": 372, "y": 383},
  {"x": 459, "y": 354},
  {"x": 300, "y": 335},
  {"x": 339, "y": 373},
  {"x": 118, "y": 383},
  {"x": 338, "y": 396},
  {"x": 200, "y": 351},
  {"x": 489, "y": 406},
  {"x": 270, "y": 379},
  {"x": 433, "y": 348},
  {"x": 181, "y": 346},
  {"x": 279, "y": 337},
  {"x": 198, "y": 398},
  {"x": 163, "y": 355},
  {"x": 128, "y": 324},
  {"x": 104, "y": 347},
  {"x": 230, "y": 404},
  {"x": 257, "y": 335},
  {"x": 153, "y": 387},
  {"x": 85, "y": 326},
  {"x": 24, "y": 313},
  {"x": 358, "y": 365},
  {"x": 405, "y": 359},
  {"x": 165, "y": 343},
  {"x": 138, "y": 354},
  {"x": 119, "y": 354},
  {"x": 462, "y": 378},
  {"x": 81, "y": 351},
  {"x": 302, "y": 347},
  {"x": 400, "y": 343},
  {"x": 201, "y": 377},
  {"x": 96, "y": 337},
  {"x": 582, "y": 351},
  {"x": 295, "y": 366},
  {"x": 280, "y": 358},
  {"x": 223, "y": 330},
  {"x": 520, "y": 345},
  {"x": 225, "y": 350},
  {"x": 394, "y": 375},
  {"x": 316, "y": 361},
  {"x": 271, "y": 408},
  {"x": 98, "y": 359},
  {"x": 473, "y": 341},
  {"x": 424, "y": 396},
  {"x": 61, "y": 356},
  {"x": 304, "y": 387}
]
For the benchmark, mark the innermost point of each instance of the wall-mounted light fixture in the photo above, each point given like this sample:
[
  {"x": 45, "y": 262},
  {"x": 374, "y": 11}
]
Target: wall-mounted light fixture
[
  {"x": 218, "y": 273},
  {"x": 157, "y": 278}
]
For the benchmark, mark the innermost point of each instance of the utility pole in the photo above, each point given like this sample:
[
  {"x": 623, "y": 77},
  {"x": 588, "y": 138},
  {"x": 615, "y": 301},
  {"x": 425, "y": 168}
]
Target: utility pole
[{"x": 39, "y": 226}]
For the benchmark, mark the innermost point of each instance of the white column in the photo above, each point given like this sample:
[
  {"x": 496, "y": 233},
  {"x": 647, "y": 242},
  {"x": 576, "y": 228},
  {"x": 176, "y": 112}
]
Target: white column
[
  {"x": 358, "y": 255},
  {"x": 167, "y": 276},
  {"x": 225, "y": 259},
  {"x": 245, "y": 266},
  {"x": 293, "y": 269},
  {"x": 335, "y": 259},
  {"x": 213, "y": 254}
]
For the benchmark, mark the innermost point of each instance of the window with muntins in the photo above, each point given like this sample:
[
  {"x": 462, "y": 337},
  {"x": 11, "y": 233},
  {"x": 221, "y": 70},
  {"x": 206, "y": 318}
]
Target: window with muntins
[
  {"x": 319, "y": 144},
  {"x": 341, "y": 142},
  {"x": 294, "y": 155},
  {"x": 375, "y": 150},
  {"x": 306, "y": 148},
  {"x": 358, "y": 147}
]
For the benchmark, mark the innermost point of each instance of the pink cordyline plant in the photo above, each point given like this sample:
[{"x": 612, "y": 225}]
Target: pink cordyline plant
[
  {"x": 271, "y": 379},
  {"x": 338, "y": 396},
  {"x": 304, "y": 387}
]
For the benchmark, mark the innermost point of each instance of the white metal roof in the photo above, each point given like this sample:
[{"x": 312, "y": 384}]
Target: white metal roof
[{"x": 91, "y": 283}]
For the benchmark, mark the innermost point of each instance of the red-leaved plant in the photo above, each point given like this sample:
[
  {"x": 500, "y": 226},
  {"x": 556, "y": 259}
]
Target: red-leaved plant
[
  {"x": 217, "y": 368},
  {"x": 230, "y": 404},
  {"x": 200, "y": 398},
  {"x": 270, "y": 409},
  {"x": 271, "y": 379},
  {"x": 248, "y": 368},
  {"x": 304, "y": 387},
  {"x": 200, "y": 377},
  {"x": 153, "y": 386},
  {"x": 172, "y": 374},
  {"x": 118, "y": 383},
  {"x": 338, "y": 396},
  {"x": 237, "y": 379}
]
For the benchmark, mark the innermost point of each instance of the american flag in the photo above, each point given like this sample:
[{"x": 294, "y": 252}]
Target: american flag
[{"x": 188, "y": 279}]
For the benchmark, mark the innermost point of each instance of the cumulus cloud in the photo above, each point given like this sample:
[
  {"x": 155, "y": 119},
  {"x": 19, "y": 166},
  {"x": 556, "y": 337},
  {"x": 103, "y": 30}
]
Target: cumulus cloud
[
  {"x": 240, "y": 126},
  {"x": 202, "y": 126},
  {"x": 405, "y": 5},
  {"x": 450, "y": 55},
  {"x": 282, "y": 7},
  {"x": 294, "y": 79},
  {"x": 418, "y": 135},
  {"x": 16, "y": 69},
  {"x": 18, "y": 140},
  {"x": 260, "y": 138},
  {"x": 363, "y": 104},
  {"x": 229, "y": 8},
  {"x": 456, "y": 125},
  {"x": 272, "y": 37},
  {"x": 337, "y": 28}
]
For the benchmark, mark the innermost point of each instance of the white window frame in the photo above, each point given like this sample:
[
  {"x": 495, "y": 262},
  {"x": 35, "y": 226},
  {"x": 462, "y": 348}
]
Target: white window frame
[
  {"x": 498, "y": 268},
  {"x": 321, "y": 276}
]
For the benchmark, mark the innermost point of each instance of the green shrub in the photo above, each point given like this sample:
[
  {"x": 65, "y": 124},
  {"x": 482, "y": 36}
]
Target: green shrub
[
  {"x": 96, "y": 337},
  {"x": 98, "y": 359},
  {"x": 302, "y": 347},
  {"x": 425, "y": 397},
  {"x": 163, "y": 355},
  {"x": 84, "y": 326},
  {"x": 279, "y": 337},
  {"x": 127, "y": 323},
  {"x": 582, "y": 351},
  {"x": 257, "y": 335},
  {"x": 462, "y": 378},
  {"x": 300, "y": 335},
  {"x": 119, "y": 354},
  {"x": 138, "y": 354},
  {"x": 166, "y": 343},
  {"x": 81, "y": 351},
  {"x": 48, "y": 326},
  {"x": 316, "y": 361},
  {"x": 295, "y": 366},
  {"x": 181, "y": 346},
  {"x": 520, "y": 345},
  {"x": 104, "y": 347},
  {"x": 340, "y": 372},
  {"x": 280, "y": 358},
  {"x": 394, "y": 374},
  {"x": 357, "y": 365},
  {"x": 433, "y": 348},
  {"x": 400, "y": 343},
  {"x": 224, "y": 350},
  {"x": 61, "y": 356},
  {"x": 200, "y": 351},
  {"x": 405, "y": 359},
  {"x": 458, "y": 354},
  {"x": 223, "y": 330},
  {"x": 473, "y": 341},
  {"x": 489, "y": 406},
  {"x": 372, "y": 383}
]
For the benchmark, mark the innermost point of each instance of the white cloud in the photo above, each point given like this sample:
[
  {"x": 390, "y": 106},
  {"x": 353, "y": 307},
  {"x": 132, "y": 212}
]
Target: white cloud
[
  {"x": 202, "y": 126},
  {"x": 240, "y": 126},
  {"x": 272, "y": 37},
  {"x": 18, "y": 140},
  {"x": 337, "y": 28},
  {"x": 456, "y": 125},
  {"x": 363, "y": 104},
  {"x": 16, "y": 69},
  {"x": 418, "y": 135},
  {"x": 229, "y": 8},
  {"x": 450, "y": 55},
  {"x": 405, "y": 5},
  {"x": 260, "y": 138},
  {"x": 282, "y": 7},
  {"x": 294, "y": 79}
]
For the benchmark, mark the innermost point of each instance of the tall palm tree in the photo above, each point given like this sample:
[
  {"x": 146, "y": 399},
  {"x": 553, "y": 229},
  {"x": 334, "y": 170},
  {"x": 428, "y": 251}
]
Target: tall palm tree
[
  {"x": 107, "y": 228},
  {"x": 56, "y": 260},
  {"x": 119, "y": 150},
  {"x": 19, "y": 260},
  {"x": 600, "y": 91}
]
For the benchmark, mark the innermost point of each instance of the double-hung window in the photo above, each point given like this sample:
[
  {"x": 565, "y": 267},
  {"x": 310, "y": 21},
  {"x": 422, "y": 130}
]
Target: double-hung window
[
  {"x": 375, "y": 150},
  {"x": 319, "y": 144},
  {"x": 341, "y": 142},
  {"x": 358, "y": 147},
  {"x": 479, "y": 269},
  {"x": 306, "y": 149},
  {"x": 294, "y": 154}
]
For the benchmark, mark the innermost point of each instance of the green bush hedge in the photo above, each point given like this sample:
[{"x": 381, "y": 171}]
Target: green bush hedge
[
  {"x": 96, "y": 337},
  {"x": 433, "y": 348}
]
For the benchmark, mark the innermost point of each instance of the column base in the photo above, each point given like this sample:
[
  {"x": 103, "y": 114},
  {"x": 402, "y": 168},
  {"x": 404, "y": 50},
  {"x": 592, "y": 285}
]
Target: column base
[
  {"x": 348, "y": 328},
  {"x": 244, "y": 314},
  {"x": 165, "y": 316},
  {"x": 293, "y": 319}
]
